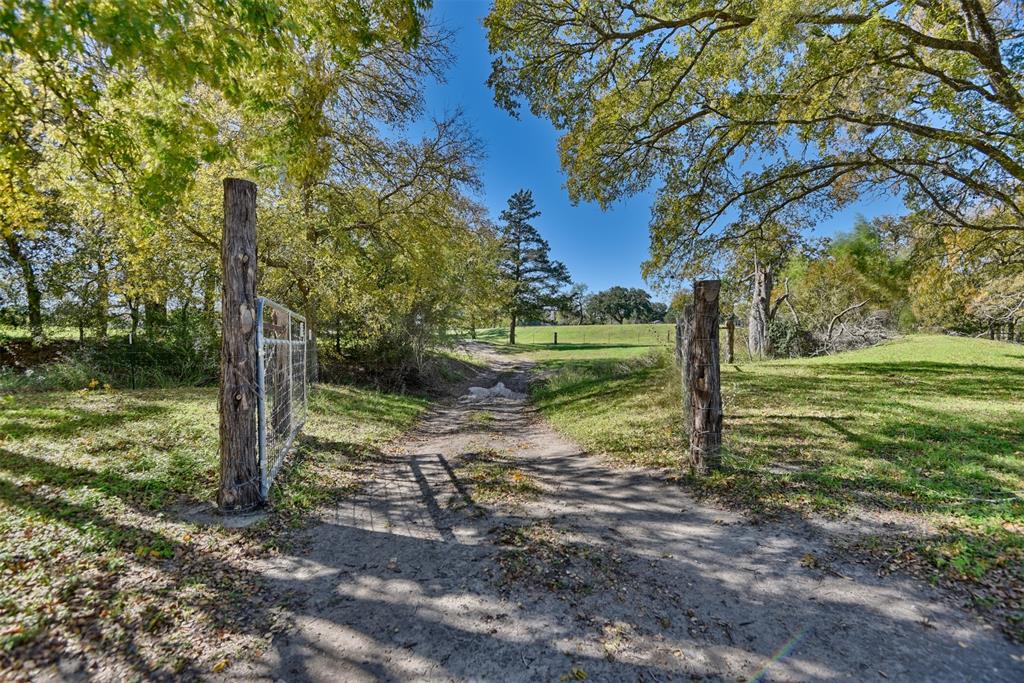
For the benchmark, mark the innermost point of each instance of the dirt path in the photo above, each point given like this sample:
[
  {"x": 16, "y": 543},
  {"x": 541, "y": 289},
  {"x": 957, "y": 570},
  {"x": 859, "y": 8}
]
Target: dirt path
[{"x": 606, "y": 574}]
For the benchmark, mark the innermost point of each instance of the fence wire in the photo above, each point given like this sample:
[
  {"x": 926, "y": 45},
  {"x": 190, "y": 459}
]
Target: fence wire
[{"x": 282, "y": 385}]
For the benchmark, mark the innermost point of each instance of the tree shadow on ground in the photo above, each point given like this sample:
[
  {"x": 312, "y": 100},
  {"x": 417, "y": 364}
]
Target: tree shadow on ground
[
  {"x": 912, "y": 378},
  {"x": 123, "y": 607},
  {"x": 400, "y": 587},
  {"x": 66, "y": 422}
]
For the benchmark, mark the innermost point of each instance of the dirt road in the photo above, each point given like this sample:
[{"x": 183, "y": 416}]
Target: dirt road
[{"x": 603, "y": 574}]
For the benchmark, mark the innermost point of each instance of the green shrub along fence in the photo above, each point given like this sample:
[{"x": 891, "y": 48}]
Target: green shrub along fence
[{"x": 119, "y": 362}]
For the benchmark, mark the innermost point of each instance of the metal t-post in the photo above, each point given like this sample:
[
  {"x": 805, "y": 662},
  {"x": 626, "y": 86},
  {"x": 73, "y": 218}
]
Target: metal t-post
[{"x": 261, "y": 404}]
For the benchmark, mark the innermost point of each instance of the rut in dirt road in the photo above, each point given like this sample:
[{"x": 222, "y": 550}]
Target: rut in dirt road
[{"x": 608, "y": 574}]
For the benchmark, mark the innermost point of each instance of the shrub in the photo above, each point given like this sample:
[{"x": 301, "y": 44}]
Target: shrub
[
  {"x": 789, "y": 340},
  {"x": 160, "y": 362}
]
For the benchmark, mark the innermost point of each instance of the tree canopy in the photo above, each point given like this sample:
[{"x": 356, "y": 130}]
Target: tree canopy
[
  {"x": 771, "y": 111},
  {"x": 120, "y": 86},
  {"x": 121, "y": 120},
  {"x": 625, "y": 304}
]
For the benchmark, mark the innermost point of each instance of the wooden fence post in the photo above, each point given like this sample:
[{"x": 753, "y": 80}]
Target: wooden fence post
[
  {"x": 556, "y": 339},
  {"x": 705, "y": 386},
  {"x": 239, "y": 461},
  {"x": 684, "y": 330},
  {"x": 679, "y": 341},
  {"x": 730, "y": 331}
]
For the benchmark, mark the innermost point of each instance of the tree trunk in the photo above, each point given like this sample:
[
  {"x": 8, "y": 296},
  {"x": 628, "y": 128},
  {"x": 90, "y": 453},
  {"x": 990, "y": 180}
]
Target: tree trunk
[
  {"x": 33, "y": 295},
  {"x": 730, "y": 331},
  {"x": 102, "y": 299},
  {"x": 991, "y": 331},
  {"x": 512, "y": 330},
  {"x": 133, "y": 313},
  {"x": 184, "y": 329},
  {"x": 311, "y": 303},
  {"x": 239, "y": 461},
  {"x": 312, "y": 313},
  {"x": 208, "y": 299},
  {"x": 155, "y": 316},
  {"x": 705, "y": 379},
  {"x": 760, "y": 311}
]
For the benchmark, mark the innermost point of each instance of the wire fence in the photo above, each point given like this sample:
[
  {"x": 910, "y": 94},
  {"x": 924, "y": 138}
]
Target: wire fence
[
  {"x": 627, "y": 334},
  {"x": 282, "y": 386}
]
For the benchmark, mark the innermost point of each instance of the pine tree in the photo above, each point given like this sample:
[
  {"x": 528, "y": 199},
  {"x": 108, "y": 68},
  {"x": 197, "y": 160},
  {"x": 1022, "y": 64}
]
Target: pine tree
[{"x": 532, "y": 281}]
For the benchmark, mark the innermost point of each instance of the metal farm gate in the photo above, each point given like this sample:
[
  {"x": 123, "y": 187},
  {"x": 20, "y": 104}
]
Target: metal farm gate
[{"x": 282, "y": 386}]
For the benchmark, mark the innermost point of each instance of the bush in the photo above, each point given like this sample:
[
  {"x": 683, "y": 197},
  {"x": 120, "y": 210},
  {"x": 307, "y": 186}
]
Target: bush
[
  {"x": 160, "y": 362},
  {"x": 789, "y": 340}
]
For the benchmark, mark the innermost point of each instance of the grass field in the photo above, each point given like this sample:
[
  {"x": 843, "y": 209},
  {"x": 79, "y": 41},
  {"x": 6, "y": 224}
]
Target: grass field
[
  {"x": 52, "y": 332},
  {"x": 95, "y": 555},
  {"x": 660, "y": 334},
  {"x": 583, "y": 341},
  {"x": 932, "y": 426}
]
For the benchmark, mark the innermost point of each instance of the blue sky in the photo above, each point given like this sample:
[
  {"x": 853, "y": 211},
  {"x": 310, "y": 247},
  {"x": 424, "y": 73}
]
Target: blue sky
[{"x": 601, "y": 248}]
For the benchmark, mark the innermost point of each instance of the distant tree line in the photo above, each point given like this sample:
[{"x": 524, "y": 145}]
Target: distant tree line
[{"x": 615, "y": 305}]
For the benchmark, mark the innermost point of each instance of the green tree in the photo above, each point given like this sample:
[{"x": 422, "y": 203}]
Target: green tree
[
  {"x": 622, "y": 304},
  {"x": 530, "y": 279},
  {"x": 881, "y": 261},
  {"x": 138, "y": 111},
  {"x": 116, "y": 82},
  {"x": 963, "y": 280},
  {"x": 773, "y": 111},
  {"x": 26, "y": 211},
  {"x": 574, "y": 303},
  {"x": 852, "y": 289},
  {"x": 1000, "y": 302}
]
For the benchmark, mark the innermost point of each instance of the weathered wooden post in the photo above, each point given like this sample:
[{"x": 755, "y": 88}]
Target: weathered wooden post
[
  {"x": 556, "y": 339},
  {"x": 684, "y": 330},
  {"x": 679, "y": 341},
  {"x": 730, "y": 333},
  {"x": 705, "y": 387},
  {"x": 239, "y": 461}
]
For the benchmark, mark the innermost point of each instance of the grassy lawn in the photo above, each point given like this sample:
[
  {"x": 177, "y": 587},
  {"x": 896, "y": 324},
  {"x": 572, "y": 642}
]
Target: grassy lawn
[
  {"x": 659, "y": 334},
  {"x": 582, "y": 342},
  {"x": 51, "y": 332},
  {"x": 96, "y": 558},
  {"x": 932, "y": 426}
]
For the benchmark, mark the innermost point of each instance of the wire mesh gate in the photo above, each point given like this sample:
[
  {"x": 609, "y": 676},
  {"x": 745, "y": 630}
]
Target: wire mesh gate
[{"x": 281, "y": 383}]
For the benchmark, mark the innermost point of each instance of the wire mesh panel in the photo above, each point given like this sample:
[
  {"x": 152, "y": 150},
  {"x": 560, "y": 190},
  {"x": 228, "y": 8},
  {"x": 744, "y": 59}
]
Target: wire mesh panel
[{"x": 281, "y": 380}]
